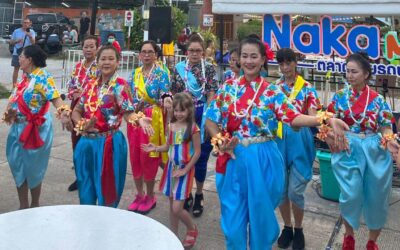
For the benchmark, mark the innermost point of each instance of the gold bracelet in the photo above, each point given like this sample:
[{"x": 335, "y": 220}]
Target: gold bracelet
[
  {"x": 323, "y": 117},
  {"x": 61, "y": 109},
  {"x": 323, "y": 132},
  {"x": 386, "y": 138},
  {"x": 80, "y": 126},
  {"x": 135, "y": 117},
  {"x": 218, "y": 140}
]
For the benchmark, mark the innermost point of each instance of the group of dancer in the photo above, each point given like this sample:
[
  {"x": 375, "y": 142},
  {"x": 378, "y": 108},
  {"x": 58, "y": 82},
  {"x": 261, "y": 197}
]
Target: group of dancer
[{"x": 259, "y": 131}]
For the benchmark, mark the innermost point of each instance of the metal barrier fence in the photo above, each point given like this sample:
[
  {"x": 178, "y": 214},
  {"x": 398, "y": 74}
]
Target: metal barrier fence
[{"x": 129, "y": 60}]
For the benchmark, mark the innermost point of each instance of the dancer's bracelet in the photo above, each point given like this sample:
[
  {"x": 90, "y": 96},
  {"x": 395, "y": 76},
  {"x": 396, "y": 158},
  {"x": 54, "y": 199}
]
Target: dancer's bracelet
[
  {"x": 135, "y": 117},
  {"x": 386, "y": 138}
]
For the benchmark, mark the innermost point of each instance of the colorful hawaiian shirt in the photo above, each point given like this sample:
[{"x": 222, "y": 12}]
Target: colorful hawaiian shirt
[
  {"x": 157, "y": 84},
  {"x": 179, "y": 85},
  {"x": 229, "y": 74},
  {"x": 378, "y": 113},
  {"x": 80, "y": 76},
  {"x": 272, "y": 106},
  {"x": 40, "y": 88},
  {"x": 307, "y": 97},
  {"x": 114, "y": 102}
]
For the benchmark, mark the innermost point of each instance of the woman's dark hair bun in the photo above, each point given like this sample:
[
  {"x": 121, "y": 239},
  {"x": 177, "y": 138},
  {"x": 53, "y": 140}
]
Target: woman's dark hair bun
[{"x": 364, "y": 54}]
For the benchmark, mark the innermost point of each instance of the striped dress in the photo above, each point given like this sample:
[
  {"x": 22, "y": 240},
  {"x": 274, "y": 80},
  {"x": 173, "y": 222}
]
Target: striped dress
[{"x": 179, "y": 153}]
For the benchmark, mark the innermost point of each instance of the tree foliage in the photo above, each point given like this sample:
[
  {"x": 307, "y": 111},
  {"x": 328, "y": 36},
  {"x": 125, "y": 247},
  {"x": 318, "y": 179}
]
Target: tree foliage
[{"x": 251, "y": 27}]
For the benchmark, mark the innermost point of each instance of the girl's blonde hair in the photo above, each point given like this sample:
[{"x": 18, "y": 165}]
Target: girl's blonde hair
[{"x": 184, "y": 101}]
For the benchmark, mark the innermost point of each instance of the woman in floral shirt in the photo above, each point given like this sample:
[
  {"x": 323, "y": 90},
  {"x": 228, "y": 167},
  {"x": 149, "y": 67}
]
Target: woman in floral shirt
[
  {"x": 250, "y": 176},
  {"x": 364, "y": 172},
  {"x": 199, "y": 79},
  {"x": 149, "y": 86},
  {"x": 83, "y": 72},
  {"x": 100, "y": 156},
  {"x": 31, "y": 134},
  {"x": 297, "y": 148}
]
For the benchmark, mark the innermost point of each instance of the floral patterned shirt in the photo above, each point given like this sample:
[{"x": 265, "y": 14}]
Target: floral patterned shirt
[
  {"x": 157, "y": 84},
  {"x": 179, "y": 85},
  {"x": 114, "y": 102},
  {"x": 307, "y": 97},
  {"x": 273, "y": 106},
  {"x": 80, "y": 76},
  {"x": 229, "y": 74},
  {"x": 378, "y": 113},
  {"x": 40, "y": 88}
]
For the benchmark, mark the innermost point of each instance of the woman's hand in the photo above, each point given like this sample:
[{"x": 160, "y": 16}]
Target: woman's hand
[
  {"x": 393, "y": 148},
  {"x": 145, "y": 123},
  {"x": 149, "y": 147},
  {"x": 85, "y": 126},
  {"x": 339, "y": 127},
  {"x": 167, "y": 104},
  {"x": 9, "y": 116},
  {"x": 228, "y": 146},
  {"x": 336, "y": 147},
  {"x": 66, "y": 122}
]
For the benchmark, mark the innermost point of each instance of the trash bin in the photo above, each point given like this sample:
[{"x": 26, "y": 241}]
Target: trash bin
[{"x": 329, "y": 185}]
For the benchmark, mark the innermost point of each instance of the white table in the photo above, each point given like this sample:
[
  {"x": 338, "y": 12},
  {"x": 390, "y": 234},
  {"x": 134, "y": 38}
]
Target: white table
[{"x": 77, "y": 227}]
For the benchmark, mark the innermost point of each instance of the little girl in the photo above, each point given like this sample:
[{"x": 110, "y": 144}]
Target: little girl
[{"x": 183, "y": 146}]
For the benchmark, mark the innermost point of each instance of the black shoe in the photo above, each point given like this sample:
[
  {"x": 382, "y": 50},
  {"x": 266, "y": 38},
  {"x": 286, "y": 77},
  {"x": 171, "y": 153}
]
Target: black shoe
[
  {"x": 73, "y": 186},
  {"x": 286, "y": 237},
  {"x": 298, "y": 239},
  {"x": 188, "y": 202},
  {"x": 198, "y": 205}
]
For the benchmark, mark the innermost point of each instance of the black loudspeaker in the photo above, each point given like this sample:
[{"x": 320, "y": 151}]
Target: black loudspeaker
[{"x": 160, "y": 24}]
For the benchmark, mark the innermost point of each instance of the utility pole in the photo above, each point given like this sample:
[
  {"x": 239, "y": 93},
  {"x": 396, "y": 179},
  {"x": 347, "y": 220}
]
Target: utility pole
[{"x": 93, "y": 18}]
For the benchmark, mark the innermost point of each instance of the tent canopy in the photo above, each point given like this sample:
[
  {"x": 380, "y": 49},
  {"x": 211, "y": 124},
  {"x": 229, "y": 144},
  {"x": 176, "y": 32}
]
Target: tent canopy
[{"x": 307, "y": 7}]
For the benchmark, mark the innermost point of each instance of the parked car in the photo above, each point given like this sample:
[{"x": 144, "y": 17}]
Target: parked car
[{"x": 44, "y": 25}]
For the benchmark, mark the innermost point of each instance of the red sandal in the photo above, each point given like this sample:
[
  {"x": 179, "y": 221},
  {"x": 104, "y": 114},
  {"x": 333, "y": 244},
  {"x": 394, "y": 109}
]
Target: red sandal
[{"x": 191, "y": 237}]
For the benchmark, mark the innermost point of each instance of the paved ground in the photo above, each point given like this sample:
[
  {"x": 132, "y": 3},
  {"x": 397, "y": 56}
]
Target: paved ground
[{"x": 320, "y": 219}]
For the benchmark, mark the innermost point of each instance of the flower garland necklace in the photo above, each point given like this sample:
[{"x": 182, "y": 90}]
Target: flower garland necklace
[
  {"x": 103, "y": 91},
  {"x": 242, "y": 114},
  {"x": 365, "y": 108},
  {"x": 149, "y": 79},
  {"x": 83, "y": 62},
  {"x": 202, "y": 80}
]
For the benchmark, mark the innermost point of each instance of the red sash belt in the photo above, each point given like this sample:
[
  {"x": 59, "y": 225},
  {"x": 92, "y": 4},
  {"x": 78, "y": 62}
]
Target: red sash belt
[
  {"x": 30, "y": 137},
  {"x": 234, "y": 122},
  {"x": 107, "y": 174}
]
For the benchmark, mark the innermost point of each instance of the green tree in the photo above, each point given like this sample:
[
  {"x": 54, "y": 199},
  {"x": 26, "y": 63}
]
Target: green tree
[
  {"x": 179, "y": 19},
  {"x": 251, "y": 27}
]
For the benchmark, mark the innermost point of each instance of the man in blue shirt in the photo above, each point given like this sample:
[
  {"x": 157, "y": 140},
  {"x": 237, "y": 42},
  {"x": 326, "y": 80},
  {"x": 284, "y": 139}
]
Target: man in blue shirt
[{"x": 21, "y": 37}]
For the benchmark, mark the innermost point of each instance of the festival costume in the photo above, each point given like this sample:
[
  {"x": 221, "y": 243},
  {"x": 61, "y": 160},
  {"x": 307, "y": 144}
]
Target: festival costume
[
  {"x": 297, "y": 145},
  {"x": 229, "y": 74},
  {"x": 101, "y": 157},
  {"x": 254, "y": 181},
  {"x": 364, "y": 173},
  {"x": 147, "y": 93},
  {"x": 198, "y": 80},
  {"x": 180, "y": 153},
  {"x": 79, "y": 77},
  {"x": 31, "y": 135}
]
